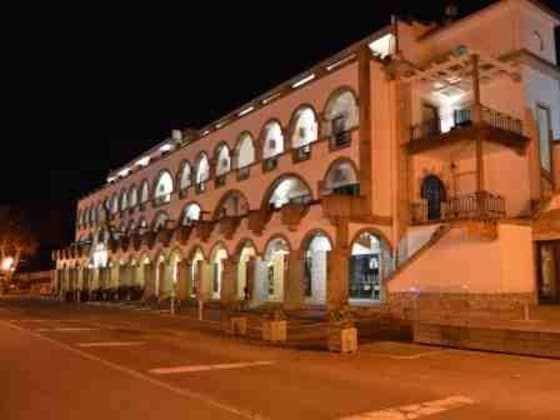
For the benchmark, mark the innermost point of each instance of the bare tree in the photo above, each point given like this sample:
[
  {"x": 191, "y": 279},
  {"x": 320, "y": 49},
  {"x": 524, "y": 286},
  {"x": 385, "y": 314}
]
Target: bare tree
[{"x": 16, "y": 241}]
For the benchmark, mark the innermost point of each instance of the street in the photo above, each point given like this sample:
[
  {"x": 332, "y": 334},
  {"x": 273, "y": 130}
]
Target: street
[{"x": 69, "y": 361}]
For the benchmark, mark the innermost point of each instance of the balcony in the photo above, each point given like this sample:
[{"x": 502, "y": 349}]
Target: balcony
[
  {"x": 494, "y": 126},
  {"x": 341, "y": 204},
  {"x": 480, "y": 205},
  {"x": 270, "y": 163}
]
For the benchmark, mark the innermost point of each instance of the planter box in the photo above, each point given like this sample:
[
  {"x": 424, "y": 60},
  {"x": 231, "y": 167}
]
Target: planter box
[
  {"x": 343, "y": 340},
  {"x": 237, "y": 325},
  {"x": 274, "y": 331}
]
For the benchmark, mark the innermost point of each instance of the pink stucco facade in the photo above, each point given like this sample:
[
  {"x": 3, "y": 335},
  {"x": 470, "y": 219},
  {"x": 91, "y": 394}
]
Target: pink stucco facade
[{"x": 414, "y": 129}]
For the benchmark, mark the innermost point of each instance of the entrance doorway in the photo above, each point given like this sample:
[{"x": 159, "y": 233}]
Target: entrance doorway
[
  {"x": 548, "y": 264},
  {"x": 433, "y": 191}
]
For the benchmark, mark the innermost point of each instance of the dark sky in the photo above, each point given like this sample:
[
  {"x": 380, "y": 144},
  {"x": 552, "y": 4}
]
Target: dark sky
[{"x": 85, "y": 90}]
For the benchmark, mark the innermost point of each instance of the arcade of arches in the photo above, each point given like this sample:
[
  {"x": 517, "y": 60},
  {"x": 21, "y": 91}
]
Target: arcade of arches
[{"x": 310, "y": 273}]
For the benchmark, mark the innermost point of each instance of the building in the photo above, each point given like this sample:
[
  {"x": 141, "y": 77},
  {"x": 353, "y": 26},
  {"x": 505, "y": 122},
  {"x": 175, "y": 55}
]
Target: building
[{"x": 419, "y": 161}]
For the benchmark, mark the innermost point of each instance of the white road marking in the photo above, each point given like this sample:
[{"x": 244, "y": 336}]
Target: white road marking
[
  {"x": 203, "y": 368},
  {"x": 65, "y": 329},
  {"x": 184, "y": 392},
  {"x": 111, "y": 344},
  {"x": 415, "y": 411}
]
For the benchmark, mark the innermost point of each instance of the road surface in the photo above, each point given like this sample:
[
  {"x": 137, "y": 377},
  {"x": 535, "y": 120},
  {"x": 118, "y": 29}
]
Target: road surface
[{"x": 67, "y": 361}]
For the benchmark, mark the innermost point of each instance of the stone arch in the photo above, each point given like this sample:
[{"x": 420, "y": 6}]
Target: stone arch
[
  {"x": 222, "y": 156},
  {"x": 298, "y": 189},
  {"x": 341, "y": 112},
  {"x": 191, "y": 212},
  {"x": 163, "y": 187},
  {"x": 304, "y": 126},
  {"x": 245, "y": 150},
  {"x": 370, "y": 264},
  {"x": 232, "y": 203},
  {"x": 341, "y": 177},
  {"x": 272, "y": 139},
  {"x": 184, "y": 175}
]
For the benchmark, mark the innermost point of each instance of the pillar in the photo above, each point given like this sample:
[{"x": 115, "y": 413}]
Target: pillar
[
  {"x": 365, "y": 146},
  {"x": 160, "y": 279},
  {"x": 337, "y": 277},
  {"x": 477, "y": 119},
  {"x": 229, "y": 280},
  {"x": 149, "y": 280},
  {"x": 205, "y": 272},
  {"x": 182, "y": 273},
  {"x": 294, "y": 281}
]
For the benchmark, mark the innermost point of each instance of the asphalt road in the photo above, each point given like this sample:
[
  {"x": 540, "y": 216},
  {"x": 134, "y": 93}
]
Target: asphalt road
[{"x": 64, "y": 361}]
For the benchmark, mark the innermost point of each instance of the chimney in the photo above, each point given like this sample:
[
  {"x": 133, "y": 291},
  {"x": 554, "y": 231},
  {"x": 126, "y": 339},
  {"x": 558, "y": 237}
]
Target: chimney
[{"x": 451, "y": 12}]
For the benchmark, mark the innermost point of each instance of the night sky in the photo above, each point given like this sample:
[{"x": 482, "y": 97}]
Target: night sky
[{"x": 86, "y": 90}]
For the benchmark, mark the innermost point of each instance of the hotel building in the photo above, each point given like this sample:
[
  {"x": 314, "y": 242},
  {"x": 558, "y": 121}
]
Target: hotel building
[{"x": 420, "y": 161}]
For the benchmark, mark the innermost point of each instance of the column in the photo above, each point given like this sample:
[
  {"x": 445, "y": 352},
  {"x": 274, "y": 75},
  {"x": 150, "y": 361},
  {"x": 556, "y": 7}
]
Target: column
[
  {"x": 337, "y": 277},
  {"x": 160, "y": 279},
  {"x": 205, "y": 272},
  {"x": 294, "y": 281},
  {"x": 182, "y": 274},
  {"x": 149, "y": 280},
  {"x": 229, "y": 279},
  {"x": 365, "y": 146}
]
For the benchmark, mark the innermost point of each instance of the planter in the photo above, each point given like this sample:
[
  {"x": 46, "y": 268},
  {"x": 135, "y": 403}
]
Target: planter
[
  {"x": 342, "y": 339},
  {"x": 274, "y": 331},
  {"x": 237, "y": 325}
]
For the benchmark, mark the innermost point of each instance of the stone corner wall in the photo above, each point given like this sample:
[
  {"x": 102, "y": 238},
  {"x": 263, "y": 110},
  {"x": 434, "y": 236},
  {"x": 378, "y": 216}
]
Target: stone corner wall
[{"x": 441, "y": 306}]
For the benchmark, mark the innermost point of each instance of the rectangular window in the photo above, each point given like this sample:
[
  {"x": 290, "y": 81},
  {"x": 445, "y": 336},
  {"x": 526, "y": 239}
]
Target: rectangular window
[{"x": 545, "y": 141}]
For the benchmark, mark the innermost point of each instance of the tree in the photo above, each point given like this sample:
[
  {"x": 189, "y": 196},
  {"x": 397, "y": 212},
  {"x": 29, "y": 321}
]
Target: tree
[{"x": 16, "y": 241}]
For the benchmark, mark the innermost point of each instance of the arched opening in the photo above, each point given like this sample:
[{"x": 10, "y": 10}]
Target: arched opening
[
  {"x": 173, "y": 275},
  {"x": 191, "y": 213},
  {"x": 433, "y": 191},
  {"x": 315, "y": 270},
  {"x": 223, "y": 159},
  {"x": 114, "y": 204},
  {"x": 160, "y": 221},
  {"x": 341, "y": 116},
  {"x": 304, "y": 128},
  {"x": 272, "y": 140},
  {"x": 185, "y": 176},
  {"x": 142, "y": 226},
  {"x": 163, "y": 188},
  {"x": 132, "y": 197},
  {"x": 370, "y": 263},
  {"x": 144, "y": 192},
  {"x": 233, "y": 203},
  {"x": 202, "y": 172},
  {"x": 288, "y": 189},
  {"x": 245, "y": 270},
  {"x": 341, "y": 179},
  {"x": 269, "y": 285},
  {"x": 123, "y": 200},
  {"x": 217, "y": 258},
  {"x": 197, "y": 266},
  {"x": 245, "y": 151}
]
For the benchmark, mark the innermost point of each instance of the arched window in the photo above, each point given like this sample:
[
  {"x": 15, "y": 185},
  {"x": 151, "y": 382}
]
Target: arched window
[
  {"x": 100, "y": 213},
  {"x": 163, "y": 188},
  {"x": 223, "y": 160},
  {"x": 124, "y": 200},
  {"x": 132, "y": 197},
  {"x": 142, "y": 226},
  {"x": 232, "y": 204},
  {"x": 341, "y": 179},
  {"x": 304, "y": 128},
  {"x": 273, "y": 140},
  {"x": 202, "y": 171},
  {"x": 245, "y": 151},
  {"x": 315, "y": 268},
  {"x": 341, "y": 116},
  {"x": 185, "y": 176},
  {"x": 191, "y": 213},
  {"x": 114, "y": 204},
  {"x": 289, "y": 189},
  {"x": 144, "y": 192},
  {"x": 370, "y": 263},
  {"x": 160, "y": 221}
]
